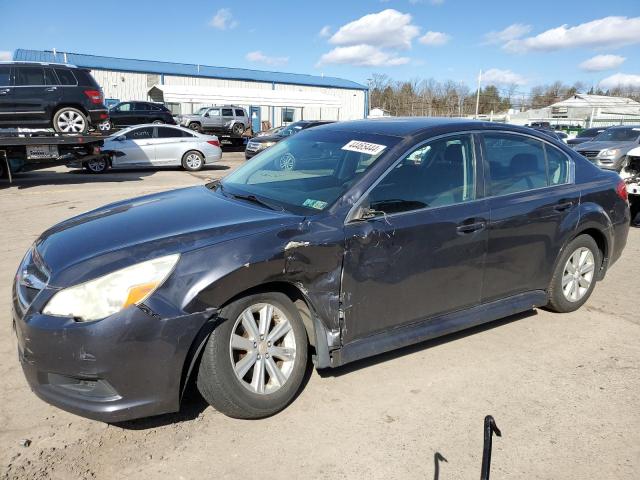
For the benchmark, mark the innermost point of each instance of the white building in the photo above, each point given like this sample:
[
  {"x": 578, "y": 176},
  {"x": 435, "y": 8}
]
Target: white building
[{"x": 268, "y": 96}]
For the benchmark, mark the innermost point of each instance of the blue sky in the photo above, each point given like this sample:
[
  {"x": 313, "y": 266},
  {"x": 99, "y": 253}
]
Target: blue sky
[{"x": 406, "y": 39}]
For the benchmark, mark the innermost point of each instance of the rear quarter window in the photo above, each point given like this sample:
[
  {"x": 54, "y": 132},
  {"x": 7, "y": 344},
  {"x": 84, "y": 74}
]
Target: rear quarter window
[
  {"x": 84, "y": 78},
  {"x": 65, "y": 76},
  {"x": 240, "y": 113}
]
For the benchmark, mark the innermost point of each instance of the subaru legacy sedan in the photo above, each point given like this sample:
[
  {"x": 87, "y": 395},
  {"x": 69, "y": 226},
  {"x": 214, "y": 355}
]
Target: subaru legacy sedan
[{"x": 383, "y": 234}]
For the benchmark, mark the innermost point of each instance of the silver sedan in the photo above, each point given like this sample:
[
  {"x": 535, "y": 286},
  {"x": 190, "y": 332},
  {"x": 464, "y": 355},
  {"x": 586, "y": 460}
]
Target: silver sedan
[{"x": 151, "y": 145}]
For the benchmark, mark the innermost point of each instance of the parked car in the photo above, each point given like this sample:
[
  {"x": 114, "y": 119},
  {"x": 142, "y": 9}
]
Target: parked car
[
  {"x": 61, "y": 96},
  {"x": 154, "y": 145},
  {"x": 226, "y": 119},
  {"x": 259, "y": 143},
  {"x": 630, "y": 173},
  {"x": 271, "y": 131},
  {"x": 408, "y": 229},
  {"x": 609, "y": 149},
  {"x": 125, "y": 114},
  {"x": 585, "y": 135}
]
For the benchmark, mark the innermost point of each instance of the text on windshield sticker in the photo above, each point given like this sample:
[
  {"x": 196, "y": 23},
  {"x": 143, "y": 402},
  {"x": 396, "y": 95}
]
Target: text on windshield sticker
[{"x": 364, "y": 147}]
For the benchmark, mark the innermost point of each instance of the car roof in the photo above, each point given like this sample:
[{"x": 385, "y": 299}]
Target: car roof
[
  {"x": 409, "y": 126},
  {"x": 38, "y": 64}
]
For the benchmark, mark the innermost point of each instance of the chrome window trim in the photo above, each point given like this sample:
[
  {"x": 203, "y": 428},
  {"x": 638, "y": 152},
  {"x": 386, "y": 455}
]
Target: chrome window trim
[{"x": 350, "y": 215}]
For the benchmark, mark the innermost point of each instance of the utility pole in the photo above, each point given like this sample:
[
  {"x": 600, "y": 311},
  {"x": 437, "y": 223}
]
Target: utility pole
[{"x": 478, "y": 94}]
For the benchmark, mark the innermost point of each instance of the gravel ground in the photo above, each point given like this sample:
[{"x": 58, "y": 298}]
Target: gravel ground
[{"x": 564, "y": 389}]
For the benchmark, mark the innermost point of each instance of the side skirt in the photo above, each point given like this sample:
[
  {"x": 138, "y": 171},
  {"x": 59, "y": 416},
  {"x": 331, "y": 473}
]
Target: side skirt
[{"x": 437, "y": 326}]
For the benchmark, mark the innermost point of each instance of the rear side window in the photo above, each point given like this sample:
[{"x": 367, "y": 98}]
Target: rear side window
[
  {"x": 558, "y": 164},
  {"x": 167, "y": 132},
  {"x": 240, "y": 113},
  {"x": 5, "y": 75},
  {"x": 84, "y": 78},
  {"x": 141, "y": 107},
  {"x": 227, "y": 112},
  {"x": 29, "y": 76},
  {"x": 65, "y": 76}
]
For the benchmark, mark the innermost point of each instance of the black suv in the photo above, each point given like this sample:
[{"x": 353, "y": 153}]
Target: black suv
[
  {"x": 48, "y": 94},
  {"x": 134, "y": 113}
]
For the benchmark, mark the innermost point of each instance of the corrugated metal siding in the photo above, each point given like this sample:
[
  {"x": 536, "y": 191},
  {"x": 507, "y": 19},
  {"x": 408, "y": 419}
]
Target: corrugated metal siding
[
  {"x": 122, "y": 85},
  {"x": 183, "y": 69}
]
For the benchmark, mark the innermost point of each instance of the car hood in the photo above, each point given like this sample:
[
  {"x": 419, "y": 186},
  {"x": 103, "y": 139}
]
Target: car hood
[
  {"x": 601, "y": 145},
  {"x": 128, "y": 232},
  {"x": 267, "y": 139}
]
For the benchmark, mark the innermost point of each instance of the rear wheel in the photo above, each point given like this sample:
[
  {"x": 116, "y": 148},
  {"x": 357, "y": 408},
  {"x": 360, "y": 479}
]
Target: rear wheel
[
  {"x": 192, "y": 161},
  {"x": 70, "y": 120},
  {"x": 254, "y": 362},
  {"x": 237, "y": 129},
  {"x": 575, "y": 275},
  {"x": 158, "y": 122}
]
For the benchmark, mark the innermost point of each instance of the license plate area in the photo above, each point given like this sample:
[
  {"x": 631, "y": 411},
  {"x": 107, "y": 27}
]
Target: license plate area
[{"x": 42, "y": 152}]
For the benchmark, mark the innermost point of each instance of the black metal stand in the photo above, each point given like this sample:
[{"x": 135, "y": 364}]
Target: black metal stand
[{"x": 490, "y": 428}]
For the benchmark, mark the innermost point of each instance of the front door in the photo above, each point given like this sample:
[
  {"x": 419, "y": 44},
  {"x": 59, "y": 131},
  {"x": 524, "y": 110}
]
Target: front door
[
  {"x": 421, "y": 253},
  {"x": 212, "y": 119},
  {"x": 531, "y": 194},
  {"x": 35, "y": 94},
  {"x": 7, "y": 105},
  {"x": 136, "y": 148},
  {"x": 122, "y": 115}
]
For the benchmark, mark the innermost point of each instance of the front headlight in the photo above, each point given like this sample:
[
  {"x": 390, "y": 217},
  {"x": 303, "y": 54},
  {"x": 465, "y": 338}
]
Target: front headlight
[
  {"x": 262, "y": 146},
  {"x": 609, "y": 152},
  {"x": 113, "y": 292}
]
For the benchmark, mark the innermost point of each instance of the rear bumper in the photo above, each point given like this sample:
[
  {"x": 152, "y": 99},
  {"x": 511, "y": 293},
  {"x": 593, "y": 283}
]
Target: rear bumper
[
  {"x": 127, "y": 366},
  {"x": 99, "y": 115}
]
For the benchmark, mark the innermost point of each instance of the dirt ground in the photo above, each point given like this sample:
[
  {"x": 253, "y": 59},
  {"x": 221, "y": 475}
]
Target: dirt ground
[{"x": 564, "y": 389}]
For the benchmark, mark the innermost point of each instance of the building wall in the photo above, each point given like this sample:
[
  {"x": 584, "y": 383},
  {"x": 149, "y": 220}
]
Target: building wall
[{"x": 134, "y": 86}]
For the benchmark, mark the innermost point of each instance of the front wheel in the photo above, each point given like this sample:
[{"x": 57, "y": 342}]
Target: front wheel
[
  {"x": 575, "y": 275},
  {"x": 97, "y": 165},
  {"x": 254, "y": 362},
  {"x": 158, "y": 122},
  {"x": 195, "y": 127}
]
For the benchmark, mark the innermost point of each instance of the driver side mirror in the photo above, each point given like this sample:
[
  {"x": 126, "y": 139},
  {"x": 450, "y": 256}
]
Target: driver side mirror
[{"x": 206, "y": 114}]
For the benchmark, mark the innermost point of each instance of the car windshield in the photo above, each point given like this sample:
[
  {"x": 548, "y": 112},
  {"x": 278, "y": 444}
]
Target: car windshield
[
  {"x": 201, "y": 111},
  {"x": 308, "y": 172},
  {"x": 619, "y": 135}
]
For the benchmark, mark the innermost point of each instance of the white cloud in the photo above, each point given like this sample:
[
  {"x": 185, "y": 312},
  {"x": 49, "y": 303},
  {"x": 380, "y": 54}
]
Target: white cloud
[
  {"x": 495, "y": 76},
  {"x": 223, "y": 20},
  {"x": 621, "y": 80},
  {"x": 325, "y": 31},
  {"x": 434, "y": 39},
  {"x": 512, "y": 32},
  {"x": 388, "y": 28},
  {"x": 362, "y": 56},
  {"x": 602, "y": 62},
  {"x": 601, "y": 33},
  {"x": 259, "y": 57},
  {"x": 5, "y": 55}
]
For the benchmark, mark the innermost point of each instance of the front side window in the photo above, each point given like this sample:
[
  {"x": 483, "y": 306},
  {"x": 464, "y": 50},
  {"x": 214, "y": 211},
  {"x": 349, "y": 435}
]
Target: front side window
[
  {"x": 214, "y": 112},
  {"x": 5, "y": 75},
  {"x": 123, "y": 107},
  {"x": 140, "y": 134},
  {"x": 439, "y": 173},
  {"x": 29, "y": 76},
  {"x": 516, "y": 163},
  {"x": 66, "y": 76},
  {"x": 308, "y": 172}
]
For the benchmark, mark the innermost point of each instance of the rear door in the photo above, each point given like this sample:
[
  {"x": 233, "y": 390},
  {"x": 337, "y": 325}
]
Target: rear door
[
  {"x": 227, "y": 118},
  {"x": 170, "y": 145},
  {"x": 141, "y": 113},
  {"x": 7, "y": 104},
  {"x": 531, "y": 196},
  {"x": 35, "y": 94},
  {"x": 136, "y": 148}
]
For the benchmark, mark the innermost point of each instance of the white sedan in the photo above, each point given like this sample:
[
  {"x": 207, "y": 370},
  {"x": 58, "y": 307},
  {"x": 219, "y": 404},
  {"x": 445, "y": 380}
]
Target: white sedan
[{"x": 150, "y": 145}]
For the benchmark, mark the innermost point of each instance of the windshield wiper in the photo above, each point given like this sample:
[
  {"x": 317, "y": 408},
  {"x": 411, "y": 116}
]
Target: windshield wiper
[{"x": 254, "y": 199}]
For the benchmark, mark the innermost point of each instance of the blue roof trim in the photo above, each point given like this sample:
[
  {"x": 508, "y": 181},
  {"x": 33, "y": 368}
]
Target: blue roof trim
[{"x": 184, "y": 69}]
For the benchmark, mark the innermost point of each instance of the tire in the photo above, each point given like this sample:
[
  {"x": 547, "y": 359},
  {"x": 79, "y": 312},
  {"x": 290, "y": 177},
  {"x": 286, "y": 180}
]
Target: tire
[
  {"x": 158, "y": 122},
  {"x": 195, "y": 126},
  {"x": 70, "y": 120},
  {"x": 568, "y": 290},
  {"x": 105, "y": 126},
  {"x": 192, "y": 161},
  {"x": 248, "y": 397},
  {"x": 237, "y": 129},
  {"x": 97, "y": 166}
]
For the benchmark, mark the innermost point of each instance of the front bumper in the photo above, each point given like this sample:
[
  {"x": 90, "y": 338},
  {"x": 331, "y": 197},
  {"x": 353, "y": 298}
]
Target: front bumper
[{"x": 126, "y": 366}]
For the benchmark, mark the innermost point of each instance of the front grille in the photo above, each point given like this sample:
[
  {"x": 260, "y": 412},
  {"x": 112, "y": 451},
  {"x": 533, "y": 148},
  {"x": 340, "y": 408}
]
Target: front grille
[
  {"x": 590, "y": 154},
  {"x": 31, "y": 279}
]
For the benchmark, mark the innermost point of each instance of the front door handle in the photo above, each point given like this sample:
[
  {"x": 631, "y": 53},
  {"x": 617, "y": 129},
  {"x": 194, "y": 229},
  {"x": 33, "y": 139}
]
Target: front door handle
[
  {"x": 51, "y": 89},
  {"x": 562, "y": 206},
  {"x": 4, "y": 91},
  {"x": 471, "y": 226}
]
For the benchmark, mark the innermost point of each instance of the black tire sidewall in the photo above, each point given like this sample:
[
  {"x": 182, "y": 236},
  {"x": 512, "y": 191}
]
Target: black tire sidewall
[
  {"x": 253, "y": 405},
  {"x": 557, "y": 300},
  {"x": 184, "y": 161},
  {"x": 59, "y": 112},
  {"x": 106, "y": 167},
  {"x": 195, "y": 127}
]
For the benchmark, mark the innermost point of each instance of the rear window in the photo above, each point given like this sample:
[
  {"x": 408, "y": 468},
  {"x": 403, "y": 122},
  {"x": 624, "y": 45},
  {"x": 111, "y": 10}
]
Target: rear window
[
  {"x": 5, "y": 75},
  {"x": 65, "y": 76},
  {"x": 84, "y": 78}
]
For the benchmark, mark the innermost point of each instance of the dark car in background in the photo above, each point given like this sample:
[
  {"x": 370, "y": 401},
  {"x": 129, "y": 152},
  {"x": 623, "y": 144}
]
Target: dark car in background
[
  {"x": 125, "y": 114},
  {"x": 384, "y": 233},
  {"x": 259, "y": 143},
  {"x": 585, "y": 135},
  {"x": 609, "y": 149},
  {"x": 62, "y": 96}
]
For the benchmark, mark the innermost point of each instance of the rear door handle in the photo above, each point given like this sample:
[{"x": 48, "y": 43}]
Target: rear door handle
[
  {"x": 562, "y": 206},
  {"x": 465, "y": 228},
  {"x": 51, "y": 89},
  {"x": 4, "y": 91}
]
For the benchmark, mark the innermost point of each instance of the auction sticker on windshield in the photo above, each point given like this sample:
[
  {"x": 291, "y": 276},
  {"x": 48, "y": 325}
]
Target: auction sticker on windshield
[{"x": 364, "y": 147}]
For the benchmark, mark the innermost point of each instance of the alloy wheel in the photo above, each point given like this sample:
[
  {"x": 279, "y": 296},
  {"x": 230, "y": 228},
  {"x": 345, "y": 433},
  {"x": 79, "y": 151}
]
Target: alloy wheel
[
  {"x": 193, "y": 161},
  {"x": 578, "y": 274},
  {"x": 71, "y": 122},
  {"x": 262, "y": 348}
]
